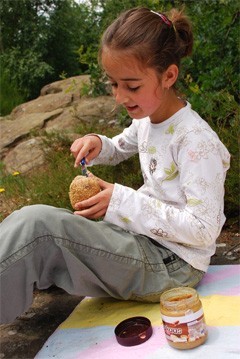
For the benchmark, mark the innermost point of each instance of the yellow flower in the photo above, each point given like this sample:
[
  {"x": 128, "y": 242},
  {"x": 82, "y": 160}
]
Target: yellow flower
[
  {"x": 16, "y": 173},
  {"x": 188, "y": 78},
  {"x": 195, "y": 88},
  {"x": 2, "y": 189}
]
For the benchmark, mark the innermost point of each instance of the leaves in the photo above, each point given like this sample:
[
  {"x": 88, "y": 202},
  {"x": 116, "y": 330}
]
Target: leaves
[
  {"x": 170, "y": 129},
  {"x": 125, "y": 220},
  {"x": 193, "y": 202},
  {"x": 152, "y": 150},
  {"x": 171, "y": 172}
]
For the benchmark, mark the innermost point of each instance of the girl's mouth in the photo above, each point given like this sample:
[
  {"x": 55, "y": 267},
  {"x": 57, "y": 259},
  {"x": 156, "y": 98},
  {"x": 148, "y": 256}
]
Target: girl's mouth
[{"x": 131, "y": 108}]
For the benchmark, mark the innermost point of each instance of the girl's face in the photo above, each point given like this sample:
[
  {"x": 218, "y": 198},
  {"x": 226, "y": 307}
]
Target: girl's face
[{"x": 138, "y": 89}]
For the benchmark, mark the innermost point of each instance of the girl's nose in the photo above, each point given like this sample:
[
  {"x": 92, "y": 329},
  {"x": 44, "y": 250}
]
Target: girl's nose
[{"x": 120, "y": 97}]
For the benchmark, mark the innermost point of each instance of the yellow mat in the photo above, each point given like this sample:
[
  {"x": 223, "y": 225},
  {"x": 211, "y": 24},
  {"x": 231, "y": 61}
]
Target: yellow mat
[{"x": 89, "y": 331}]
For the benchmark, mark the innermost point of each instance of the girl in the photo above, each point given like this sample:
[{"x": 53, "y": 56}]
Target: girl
[{"x": 150, "y": 240}]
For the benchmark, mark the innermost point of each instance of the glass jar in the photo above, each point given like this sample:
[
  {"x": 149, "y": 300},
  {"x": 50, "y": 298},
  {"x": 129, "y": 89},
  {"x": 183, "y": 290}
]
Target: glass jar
[{"x": 183, "y": 318}]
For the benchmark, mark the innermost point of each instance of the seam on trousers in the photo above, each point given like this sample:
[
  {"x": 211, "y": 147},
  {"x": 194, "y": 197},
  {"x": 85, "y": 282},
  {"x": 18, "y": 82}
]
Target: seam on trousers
[
  {"x": 68, "y": 244},
  {"x": 174, "y": 265},
  {"x": 151, "y": 267}
]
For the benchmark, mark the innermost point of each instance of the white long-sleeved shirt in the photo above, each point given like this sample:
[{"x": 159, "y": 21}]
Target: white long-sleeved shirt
[{"x": 180, "y": 204}]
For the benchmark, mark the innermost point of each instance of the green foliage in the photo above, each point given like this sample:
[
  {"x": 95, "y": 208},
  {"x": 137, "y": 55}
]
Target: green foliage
[
  {"x": 66, "y": 30},
  {"x": 10, "y": 96},
  {"x": 23, "y": 40},
  {"x": 26, "y": 69},
  {"x": 39, "y": 41},
  {"x": 23, "y": 23},
  {"x": 97, "y": 85}
]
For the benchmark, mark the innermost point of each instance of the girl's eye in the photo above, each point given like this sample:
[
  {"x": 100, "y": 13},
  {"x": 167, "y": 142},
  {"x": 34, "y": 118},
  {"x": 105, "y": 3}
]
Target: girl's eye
[{"x": 133, "y": 89}]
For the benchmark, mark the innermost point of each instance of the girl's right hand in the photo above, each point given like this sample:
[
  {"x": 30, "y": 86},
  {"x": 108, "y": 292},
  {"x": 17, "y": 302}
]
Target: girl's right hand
[{"x": 88, "y": 146}]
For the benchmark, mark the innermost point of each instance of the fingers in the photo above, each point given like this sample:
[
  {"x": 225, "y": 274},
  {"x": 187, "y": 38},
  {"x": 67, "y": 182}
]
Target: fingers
[
  {"x": 88, "y": 147},
  {"x": 95, "y": 215},
  {"x": 87, "y": 203},
  {"x": 93, "y": 153},
  {"x": 86, "y": 210},
  {"x": 79, "y": 156},
  {"x": 79, "y": 150},
  {"x": 97, "y": 205}
]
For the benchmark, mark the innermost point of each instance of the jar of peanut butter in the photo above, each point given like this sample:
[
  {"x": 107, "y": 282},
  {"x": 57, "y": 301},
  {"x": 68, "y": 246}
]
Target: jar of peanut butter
[{"x": 183, "y": 318}]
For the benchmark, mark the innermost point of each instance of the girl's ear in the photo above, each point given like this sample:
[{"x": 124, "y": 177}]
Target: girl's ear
[{"x": 170, "y": 76}]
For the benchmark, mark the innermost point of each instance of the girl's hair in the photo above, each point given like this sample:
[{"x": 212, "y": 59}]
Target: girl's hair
[{"x": 150, "y": 37}]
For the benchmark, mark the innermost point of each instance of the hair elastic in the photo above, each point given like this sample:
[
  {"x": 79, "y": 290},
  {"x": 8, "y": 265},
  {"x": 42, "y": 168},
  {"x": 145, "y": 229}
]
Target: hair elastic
[{"x": 164, "y": 19}]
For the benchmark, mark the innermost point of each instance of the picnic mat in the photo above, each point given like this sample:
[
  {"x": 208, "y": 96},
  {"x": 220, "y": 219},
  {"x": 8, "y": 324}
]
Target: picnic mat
[{"x": 89, "y": 331}]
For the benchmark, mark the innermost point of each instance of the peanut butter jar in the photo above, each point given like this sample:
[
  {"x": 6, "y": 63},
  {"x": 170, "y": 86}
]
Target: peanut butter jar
[{"x": 183, "y": 318}]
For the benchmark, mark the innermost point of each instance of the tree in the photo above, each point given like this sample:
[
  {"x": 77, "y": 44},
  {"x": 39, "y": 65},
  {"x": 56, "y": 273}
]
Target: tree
[
  {"x": 40, "y": 39},
  {"x": 24, "y": 23},
  {"x": 23, "y": 36}
]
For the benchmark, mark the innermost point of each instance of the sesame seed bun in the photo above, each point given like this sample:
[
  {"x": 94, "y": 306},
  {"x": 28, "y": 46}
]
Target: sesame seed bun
[{"x": 83, "y": 188}]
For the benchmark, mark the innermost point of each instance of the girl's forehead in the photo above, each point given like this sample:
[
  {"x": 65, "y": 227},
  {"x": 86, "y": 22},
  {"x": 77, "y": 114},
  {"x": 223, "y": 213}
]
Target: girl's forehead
[{"x": 118, "y": 61}]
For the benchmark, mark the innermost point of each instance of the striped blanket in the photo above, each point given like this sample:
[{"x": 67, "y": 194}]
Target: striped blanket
[{"x": 89, "y": 331}]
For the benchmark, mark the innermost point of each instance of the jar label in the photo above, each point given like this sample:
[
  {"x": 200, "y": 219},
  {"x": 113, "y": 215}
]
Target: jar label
[{"x": 187, "y": 328}]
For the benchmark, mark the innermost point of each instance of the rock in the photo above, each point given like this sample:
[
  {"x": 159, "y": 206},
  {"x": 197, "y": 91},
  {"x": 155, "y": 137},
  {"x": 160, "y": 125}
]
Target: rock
[
  {"x": 89, "y": 108},
  {"x": 85, "y": 110},
  {"x": 44, "y": 104},
  {"x": 72, "y": 84},
  {"x": 65, "y": 121},
  {"x": 25, "y": 156},
  {"x": 13, "y": 131},
  {"x": 59, "y": 107}
]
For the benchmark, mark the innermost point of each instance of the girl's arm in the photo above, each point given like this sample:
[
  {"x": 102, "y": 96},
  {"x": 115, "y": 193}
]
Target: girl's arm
[
  {"x": 115, "y": 150},
  {"x": 98, "y": 149},
  {"x": 194, "y": 221}
]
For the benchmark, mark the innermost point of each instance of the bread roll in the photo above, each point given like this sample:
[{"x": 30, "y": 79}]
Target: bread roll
[{"x": 83, "y": 188}]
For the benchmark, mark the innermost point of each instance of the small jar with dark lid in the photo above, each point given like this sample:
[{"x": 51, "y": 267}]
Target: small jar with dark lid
[{"x": 183, "y": 318}]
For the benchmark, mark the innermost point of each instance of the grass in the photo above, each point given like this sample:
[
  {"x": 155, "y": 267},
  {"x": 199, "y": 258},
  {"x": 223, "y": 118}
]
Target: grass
[{"x": 50, "y": 184}]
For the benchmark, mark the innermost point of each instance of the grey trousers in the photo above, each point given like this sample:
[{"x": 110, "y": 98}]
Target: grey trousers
[{"x": 43, "y": 246}]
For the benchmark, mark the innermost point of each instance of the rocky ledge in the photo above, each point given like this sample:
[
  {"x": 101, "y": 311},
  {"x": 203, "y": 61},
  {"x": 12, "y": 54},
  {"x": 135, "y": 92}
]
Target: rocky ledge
[{"x": 60, "y": 107}]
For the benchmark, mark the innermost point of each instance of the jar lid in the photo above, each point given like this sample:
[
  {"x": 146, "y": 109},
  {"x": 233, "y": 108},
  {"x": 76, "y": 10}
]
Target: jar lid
[{"x": 133, "y": 331}]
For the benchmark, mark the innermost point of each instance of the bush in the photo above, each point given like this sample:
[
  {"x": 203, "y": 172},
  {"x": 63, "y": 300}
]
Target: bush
[
  {"x": 26, "y": 69},
  {"x": 10, "y": 96}
]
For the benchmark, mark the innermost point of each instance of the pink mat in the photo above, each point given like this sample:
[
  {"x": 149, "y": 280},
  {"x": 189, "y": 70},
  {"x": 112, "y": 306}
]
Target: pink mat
[{"x": 89, "y": 331}]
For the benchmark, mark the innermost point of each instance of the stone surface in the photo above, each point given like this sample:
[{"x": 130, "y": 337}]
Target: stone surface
[
  {"x": 59, "y": 107},
  {"x": 23, "y": 338},
  {"x": 26, "y": 156},
  {"x": 42, "y": 104},
  {"x": 14, "y": 131}
]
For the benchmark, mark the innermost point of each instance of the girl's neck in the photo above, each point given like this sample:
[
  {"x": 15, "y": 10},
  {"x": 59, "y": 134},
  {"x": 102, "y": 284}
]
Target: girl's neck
[{"x": 172, "y": 104}]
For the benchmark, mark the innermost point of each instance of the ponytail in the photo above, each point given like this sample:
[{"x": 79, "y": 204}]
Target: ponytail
[{"x": 183, "y": 30}]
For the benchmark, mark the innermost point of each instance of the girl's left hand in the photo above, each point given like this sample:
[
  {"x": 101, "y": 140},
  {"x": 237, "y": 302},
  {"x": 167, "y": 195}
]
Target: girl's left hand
[{"x": 96, "y": 206}]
